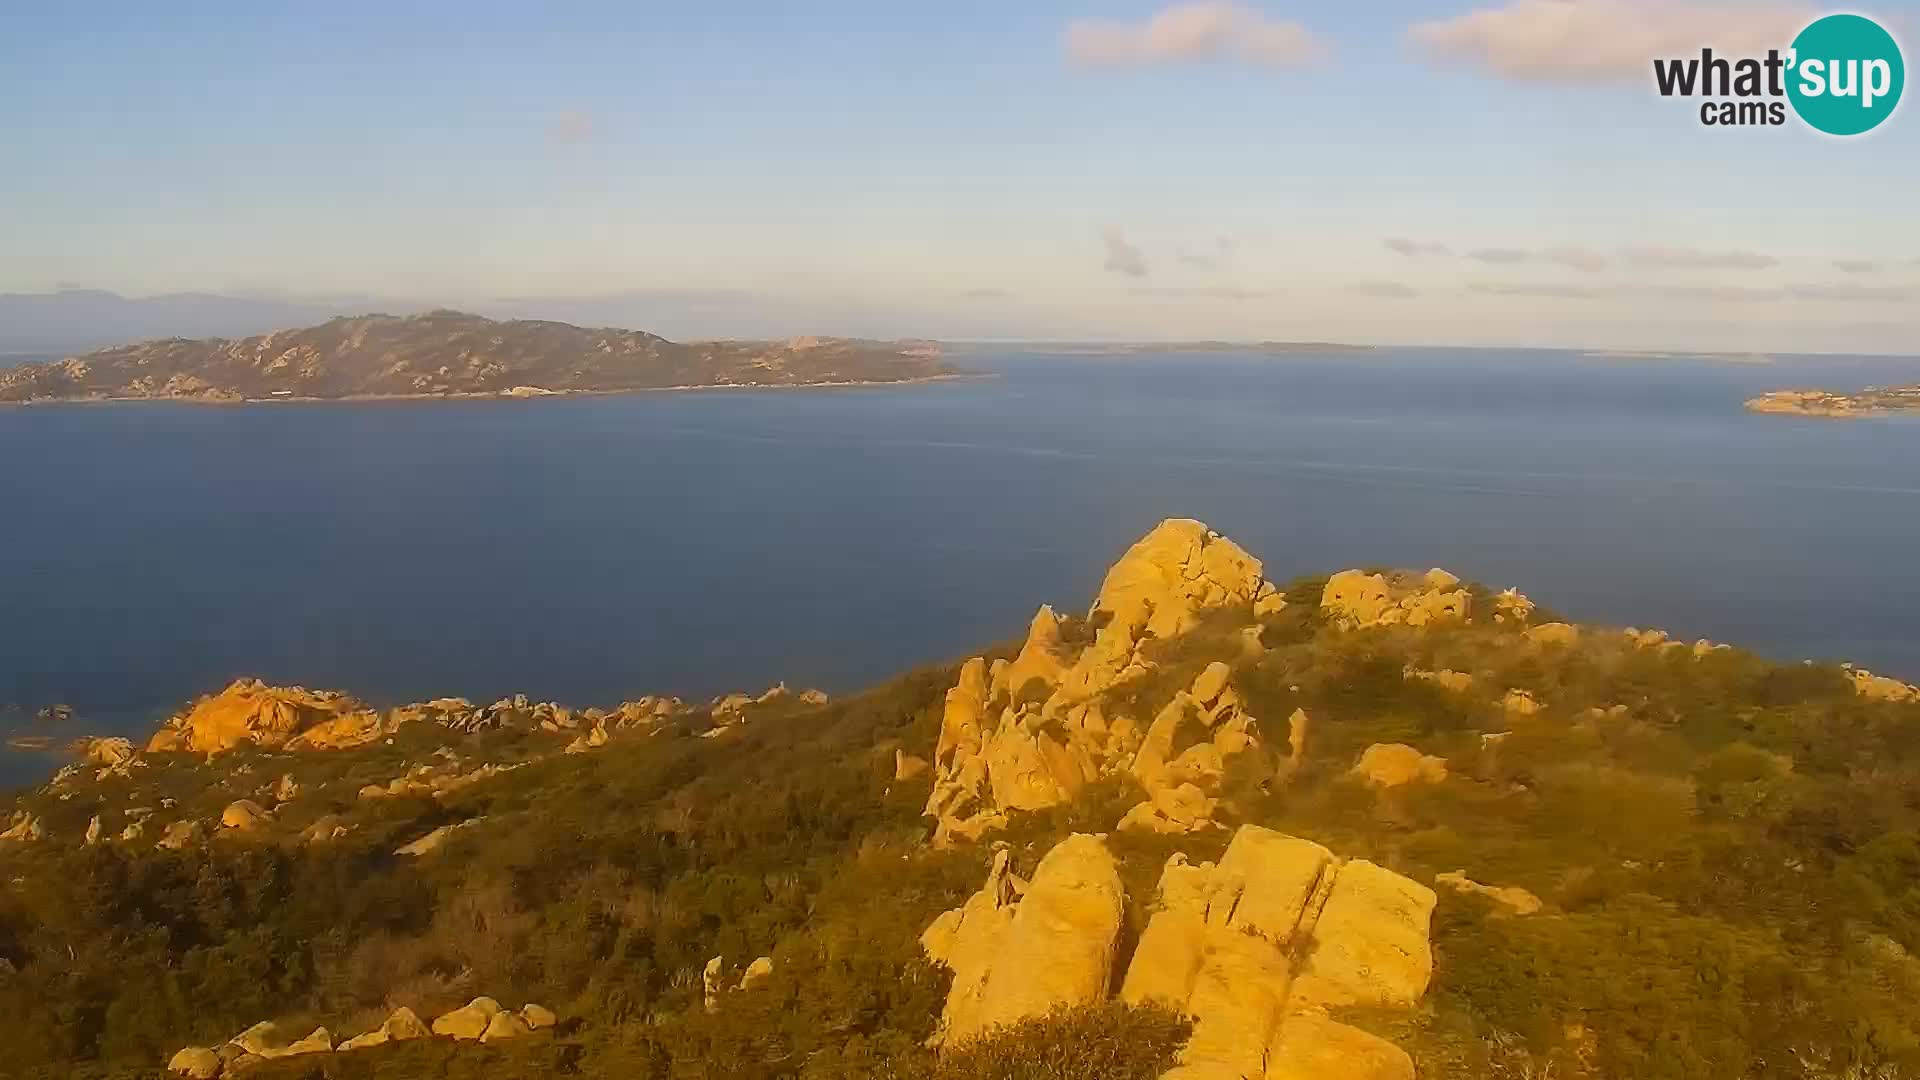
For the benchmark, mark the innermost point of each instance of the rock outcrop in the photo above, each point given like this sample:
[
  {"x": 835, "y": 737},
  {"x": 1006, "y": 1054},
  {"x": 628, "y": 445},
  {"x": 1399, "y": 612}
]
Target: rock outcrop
[
  {"x": 180, "y": 835},
  {"x": 1356, "y": 599},
  {"x": 481, "y": 1020},
  {"x": 196, "y": 1063},
  {"x": 1224, "y": 946},
  {"x": 1052, "y": 947},
  {"x": 244, "y": 815},
  {"x": 1028, "y": 734},
  {"x": 251, "y": 711},
  {"x": 1253, "y": 949},
  {"x": 1515, "y": 900},
  {"x": 756, "y": 971},
  {"x": 1520, "y": 703},
  {"x": 1370, "y": 943},
  {"x": 470, "y": 1021},
  {"x": 23, "y": 827},
  {"x": 1311, "y": 1047},
  {"x": 1880, "y": 687},
  {"x": 1389, "y": 765},
  {"x": 400, "y": 1026},
  {"x": 435, "y": 840},
  {"x": 1564, "y": 635},
  {"x": 1511, "y": 605},
  {"x": 906, "y": 766},
  {"x": 1445, "y": 678},
  {"x": 110, "y": 752}
]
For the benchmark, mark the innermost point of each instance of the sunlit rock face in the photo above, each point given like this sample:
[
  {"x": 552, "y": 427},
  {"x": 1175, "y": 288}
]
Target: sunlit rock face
[
  {"x": 1029, "y": 734},
  {"x": 1224, "y": 945},
  {"x": 250, "y": 711},
  {"x": 1052, "y": 947}
]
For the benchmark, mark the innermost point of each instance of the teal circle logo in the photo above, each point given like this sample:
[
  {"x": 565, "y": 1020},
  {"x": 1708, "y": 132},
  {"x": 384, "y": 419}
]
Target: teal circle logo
[{"x": 1846, "y": 75}]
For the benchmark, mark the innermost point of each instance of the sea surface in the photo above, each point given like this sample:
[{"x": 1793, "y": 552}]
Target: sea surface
[{"x": 589, "y": 550}]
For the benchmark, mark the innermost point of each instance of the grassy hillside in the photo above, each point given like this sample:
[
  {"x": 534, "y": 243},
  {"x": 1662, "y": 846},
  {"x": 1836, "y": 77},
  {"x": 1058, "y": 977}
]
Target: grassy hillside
[{"x": 1727, "y": 851}]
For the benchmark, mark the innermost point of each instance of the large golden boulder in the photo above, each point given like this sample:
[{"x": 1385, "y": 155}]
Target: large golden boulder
[
  {"x": 1052, "y": 949},
  {"x": 1312, "y": 1047},
  {"x": 1370, "y": 945},
  {"x": 250, "y": 711},
  {"x": 1389, "y": 765}
]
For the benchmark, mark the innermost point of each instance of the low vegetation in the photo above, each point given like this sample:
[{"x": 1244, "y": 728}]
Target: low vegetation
[{"x": 1727, "y": 850}]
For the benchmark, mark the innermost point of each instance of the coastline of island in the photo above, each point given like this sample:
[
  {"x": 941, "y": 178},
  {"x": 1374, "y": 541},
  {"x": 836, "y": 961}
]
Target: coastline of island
[
  {"x": 449, "y": 355},
  {"x": 1835, "y": 405},
  {"x": 510, "y": 394}
]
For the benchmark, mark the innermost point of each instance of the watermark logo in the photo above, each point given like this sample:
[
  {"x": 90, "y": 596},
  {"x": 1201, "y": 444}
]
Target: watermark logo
[{"x": 1842, "y": 75}]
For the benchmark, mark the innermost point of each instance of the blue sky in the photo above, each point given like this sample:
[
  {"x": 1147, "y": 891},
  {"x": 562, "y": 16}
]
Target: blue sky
[{"x": 982, "y": 170}]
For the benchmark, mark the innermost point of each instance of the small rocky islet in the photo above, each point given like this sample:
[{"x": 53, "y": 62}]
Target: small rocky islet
[
  {"x": 1836, "y": 405},
  {"x": 1316, "y": 822}
]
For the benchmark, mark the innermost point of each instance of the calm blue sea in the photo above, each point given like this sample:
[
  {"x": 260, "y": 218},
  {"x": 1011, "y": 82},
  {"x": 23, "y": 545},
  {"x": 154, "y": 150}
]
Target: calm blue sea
[{"x": 593, "y": 549}]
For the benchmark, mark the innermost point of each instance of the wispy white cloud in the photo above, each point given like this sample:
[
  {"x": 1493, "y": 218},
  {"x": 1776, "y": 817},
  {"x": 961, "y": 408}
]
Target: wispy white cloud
[
  {"x": 1208, "y": 30},
  {"x": 1122, "y": 256},
  {"x": 1386, "y": 290},
  {"x": 1415, "y": 247},
  {"x": 1222, "y": 292},
  {"x": 1698, "y": 293},
  {"x": 1861, "y": 266},
  {"x": 573, "y": 127},
  {"x": 1851, "y": 293},
  {"x": 1576, "y": 258},
  {"x": 1210, "y": 259},
  {"x": 1696, "y": 259},
  {"x": 1539, "y": 288},
  {"x": 1602, "y": 40}
]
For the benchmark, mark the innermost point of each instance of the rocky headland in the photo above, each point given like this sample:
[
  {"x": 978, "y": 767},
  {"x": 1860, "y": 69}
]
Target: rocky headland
[
  {"x": 450, "y": 354},
  {"x": 1873, "y": 401},
  {"x": 1376, "y": 825}
]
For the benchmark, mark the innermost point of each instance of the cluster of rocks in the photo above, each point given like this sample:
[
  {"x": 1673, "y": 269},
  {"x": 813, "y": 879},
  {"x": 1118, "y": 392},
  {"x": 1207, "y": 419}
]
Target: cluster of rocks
[
  {"x": 1880, "y": 687},
  {"x": 1179, "y": 785},
  {"x": 295, "y": 718},
  {"x": 435, "y": 840},
  {"x": 250, "y": 711},
  {"x": 24, "y": 827},
  {"x": 1661, "y": 640},
  {"x": 1390, "y": 765},
  {"x": 1356, "y": 599},
  {"x": 1445, "y": 678},
  {"x": 1255, "y": 950},
  {"x": 437, "y": 779},
  {"x": 1029, "y": 733},
  {"x": 713, "y": 978},
  {"x": 482, "y": 1020},
  {"x": 1509, "y": 898}
]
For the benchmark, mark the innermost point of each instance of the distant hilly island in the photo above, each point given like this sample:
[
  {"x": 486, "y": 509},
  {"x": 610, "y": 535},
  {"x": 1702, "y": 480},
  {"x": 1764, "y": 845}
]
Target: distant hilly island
[{"x": 455, "y": 354}]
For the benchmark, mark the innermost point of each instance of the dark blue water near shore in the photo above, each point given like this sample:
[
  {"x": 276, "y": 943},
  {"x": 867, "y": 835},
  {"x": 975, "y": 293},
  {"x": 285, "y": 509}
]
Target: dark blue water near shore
[{"x": 597, "y": 548}]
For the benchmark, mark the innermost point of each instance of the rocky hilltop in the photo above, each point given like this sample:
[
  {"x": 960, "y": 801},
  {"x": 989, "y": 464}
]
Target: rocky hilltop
[
  {"x": 1377, "y": 825},
  {"x": 452, "y": 354},
  {"x": 1874, "y": 400}
]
